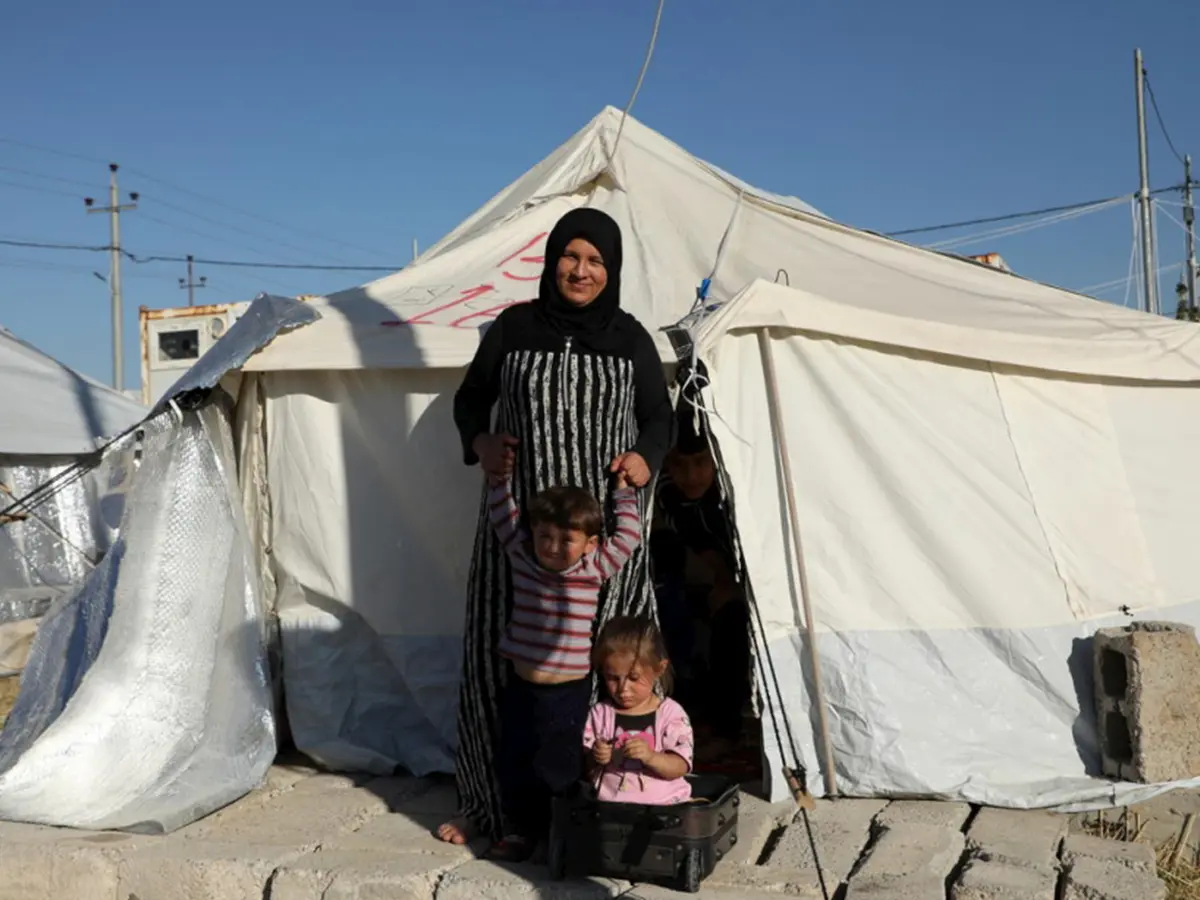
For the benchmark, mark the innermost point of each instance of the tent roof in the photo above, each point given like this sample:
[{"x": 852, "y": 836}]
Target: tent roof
[
  {"x": 51, "y": 410},
  {"x": 875, "y": 291},
  {"x": 674, "y": 210},
  {"x": 685, "y": 220}
]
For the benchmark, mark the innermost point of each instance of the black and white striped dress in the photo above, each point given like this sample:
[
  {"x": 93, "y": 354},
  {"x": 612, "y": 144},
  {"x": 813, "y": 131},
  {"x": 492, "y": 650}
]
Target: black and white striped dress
[{"x": 573, "y": 413}]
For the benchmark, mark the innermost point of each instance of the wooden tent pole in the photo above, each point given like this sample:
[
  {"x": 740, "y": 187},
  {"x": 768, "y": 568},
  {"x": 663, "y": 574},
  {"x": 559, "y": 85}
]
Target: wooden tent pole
[{"x": 776, "y": 412}]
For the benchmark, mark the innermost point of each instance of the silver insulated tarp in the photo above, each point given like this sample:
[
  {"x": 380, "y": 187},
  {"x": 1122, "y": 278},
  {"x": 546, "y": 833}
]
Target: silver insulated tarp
[{"x": 145, "y": 703}]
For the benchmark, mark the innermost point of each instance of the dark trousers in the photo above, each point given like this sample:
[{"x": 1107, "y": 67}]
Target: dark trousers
[
  {"x": 541, "y": 749},
  {"x": 729, "y": 668}
]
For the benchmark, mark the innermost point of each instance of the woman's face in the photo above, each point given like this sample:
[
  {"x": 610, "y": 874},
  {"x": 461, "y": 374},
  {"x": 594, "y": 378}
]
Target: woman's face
[{"x": 580, "y": 274}]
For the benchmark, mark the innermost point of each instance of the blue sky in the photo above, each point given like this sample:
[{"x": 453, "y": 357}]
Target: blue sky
[{"x": 360, "y": 126}]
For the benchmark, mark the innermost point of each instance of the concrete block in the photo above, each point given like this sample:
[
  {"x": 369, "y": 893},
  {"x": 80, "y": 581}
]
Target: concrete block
[
  {"x": 1147, "y": 686},
  {"x": 904, "y": 889},
  {"x": 405, "y": 833},
  {"x": 1093, "y": 879},
  {"x": 768, "y": 879},
  {"x": 709, "y": 892},
  {"x": 1018, "y": 837},
  {"x": 757, "y": 821},
  {"x": 43, "y": 867},
  {"x": 358, "y": 875},
  {"x": 907, "y": 858},
  {"x": 482, "y": 880},
  {"x": 924, "y": 812},
  {"x": 1131, "y": 854},
  {"x": 181, "y": 870},
  {"x": 314, "y": 811},
  {"x": 841, "y": 829},
  {"x": 982, "y": 880}
]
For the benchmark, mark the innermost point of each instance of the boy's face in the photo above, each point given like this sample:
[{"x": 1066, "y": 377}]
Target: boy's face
[
  {"x": 692, "y": 473},
  {"x": 557, "y": 549}
]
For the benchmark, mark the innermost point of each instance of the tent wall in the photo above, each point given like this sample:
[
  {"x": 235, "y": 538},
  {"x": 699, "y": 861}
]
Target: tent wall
[
  {"x": 372, "y": 520},
  {"x": 965, "y": 530}
]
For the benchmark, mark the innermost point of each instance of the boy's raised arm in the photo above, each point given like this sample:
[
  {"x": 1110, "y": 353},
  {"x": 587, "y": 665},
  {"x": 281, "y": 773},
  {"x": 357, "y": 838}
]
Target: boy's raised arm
[
  {"x": 504, "y": 515},
  {"x": 616, "y": 550}
]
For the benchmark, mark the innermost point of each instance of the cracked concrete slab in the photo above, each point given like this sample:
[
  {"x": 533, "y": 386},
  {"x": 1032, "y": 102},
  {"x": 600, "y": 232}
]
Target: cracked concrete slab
[
  {"x": 359, "y": 875},
  {"x": 841, "y": 830},
  {"x": 983, "y": 880},
  {"x": 482, "y": 880},
  {"x": 1019, "y": 837}
]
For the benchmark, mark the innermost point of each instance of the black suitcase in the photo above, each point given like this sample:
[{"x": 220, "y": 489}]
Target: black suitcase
[{"x": 678, "y": 845}]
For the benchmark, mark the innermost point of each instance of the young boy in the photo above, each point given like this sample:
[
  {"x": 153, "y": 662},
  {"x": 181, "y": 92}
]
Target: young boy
[
  {"x": 558, "y": 569},
  {"x": 689, "y": 502}
]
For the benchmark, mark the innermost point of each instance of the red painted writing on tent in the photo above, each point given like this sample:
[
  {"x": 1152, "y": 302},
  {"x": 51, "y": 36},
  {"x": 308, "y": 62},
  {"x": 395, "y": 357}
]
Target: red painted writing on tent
[{"x": 475, "y": 305}]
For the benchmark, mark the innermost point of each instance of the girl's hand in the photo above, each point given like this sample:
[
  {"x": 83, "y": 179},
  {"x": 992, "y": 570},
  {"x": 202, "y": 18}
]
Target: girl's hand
[
  {"x": 638, "y": 749},
  {"x": 602, "y": 752},
  {"x": 633, "y": 467},
  {"x": 622, "y": 482},
  {"x": 496, "y": 454}
]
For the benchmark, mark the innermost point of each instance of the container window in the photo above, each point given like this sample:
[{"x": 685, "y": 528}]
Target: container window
[{"x": 176, "y": 345}]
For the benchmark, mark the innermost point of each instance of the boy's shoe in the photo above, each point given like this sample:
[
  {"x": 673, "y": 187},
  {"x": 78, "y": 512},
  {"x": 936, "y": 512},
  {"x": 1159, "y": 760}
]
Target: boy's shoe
[{"x": 511, "y": 848}]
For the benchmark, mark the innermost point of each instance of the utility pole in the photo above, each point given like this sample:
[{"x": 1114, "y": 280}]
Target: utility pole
[
  {"x": 1148, "y": 267},
  {"x": 1189, "y": 219},
  {"x": 114, "y": 209},
  {"x": 191, "y": 283}
]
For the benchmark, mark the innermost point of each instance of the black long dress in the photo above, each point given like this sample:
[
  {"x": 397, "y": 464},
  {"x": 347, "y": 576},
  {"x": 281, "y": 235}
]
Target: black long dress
[{"x": 573, "y": 410}]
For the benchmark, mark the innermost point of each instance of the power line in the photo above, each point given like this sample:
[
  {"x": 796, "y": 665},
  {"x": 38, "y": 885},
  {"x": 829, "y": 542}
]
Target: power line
[
  {"x": 46, "y": 245},
  {"x": 42, "y": 175},
  {"x": 263, "y": 265},
  {"x": 232, "y": 227},
  {"x": 1158, "y": 115},
  {"x": 87, "y": 159},
  {"x": 641, "y": 77},
  {"x": 176, "y": 187},
  {"x": 1020, "y": 215},
  {"x": 41, "y": 189},
  {"x": 246, "y": 213}
]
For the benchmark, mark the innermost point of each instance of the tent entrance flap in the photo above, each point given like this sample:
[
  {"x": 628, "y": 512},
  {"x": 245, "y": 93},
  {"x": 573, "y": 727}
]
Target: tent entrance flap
[{"x": 691, "y": 377}]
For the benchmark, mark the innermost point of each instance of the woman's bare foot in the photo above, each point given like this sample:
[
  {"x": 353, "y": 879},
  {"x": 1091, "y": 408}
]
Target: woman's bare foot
[{"x": 458, "y": 830}]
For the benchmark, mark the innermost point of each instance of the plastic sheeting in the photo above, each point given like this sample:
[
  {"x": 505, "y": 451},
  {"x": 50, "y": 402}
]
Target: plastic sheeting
[
  {"x": 58, "y": 542},
  {"x": 145, "y": 704}
]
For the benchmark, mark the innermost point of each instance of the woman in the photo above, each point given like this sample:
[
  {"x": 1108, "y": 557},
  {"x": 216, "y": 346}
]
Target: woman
[{"x": 581, "y": 396}]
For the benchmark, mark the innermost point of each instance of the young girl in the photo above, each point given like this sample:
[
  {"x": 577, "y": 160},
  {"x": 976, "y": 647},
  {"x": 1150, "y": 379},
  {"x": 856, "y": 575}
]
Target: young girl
[{"x": 640, "y": 745}]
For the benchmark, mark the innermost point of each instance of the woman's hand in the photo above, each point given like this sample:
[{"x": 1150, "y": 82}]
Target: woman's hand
[
  {"x": 633, "y": 467},
  {"x": 496, "y": 454},
  {"x": 602, "y": 752}
]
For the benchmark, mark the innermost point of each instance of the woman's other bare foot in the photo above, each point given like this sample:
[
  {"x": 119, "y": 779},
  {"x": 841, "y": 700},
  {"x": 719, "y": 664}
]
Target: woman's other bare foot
[{"x": 458, "y": 830}]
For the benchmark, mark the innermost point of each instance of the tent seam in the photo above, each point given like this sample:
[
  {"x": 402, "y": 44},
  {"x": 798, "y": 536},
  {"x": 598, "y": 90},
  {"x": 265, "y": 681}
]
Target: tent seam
[{"x": 1072, "y": 605}]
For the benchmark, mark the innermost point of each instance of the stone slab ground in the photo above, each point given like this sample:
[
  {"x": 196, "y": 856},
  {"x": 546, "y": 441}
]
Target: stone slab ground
[{"x": 309, "y": 836}]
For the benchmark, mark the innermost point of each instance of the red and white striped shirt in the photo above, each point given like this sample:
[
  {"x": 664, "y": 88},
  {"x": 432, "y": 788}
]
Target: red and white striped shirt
[{"x": 553, "y": 612}]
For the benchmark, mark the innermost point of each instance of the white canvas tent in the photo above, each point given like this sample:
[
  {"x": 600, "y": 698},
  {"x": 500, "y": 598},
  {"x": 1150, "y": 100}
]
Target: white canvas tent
[
  {"x": 50, "y": 410},
  {"x": 957, "y": 436},
  {"x": 50, "y": 416}
]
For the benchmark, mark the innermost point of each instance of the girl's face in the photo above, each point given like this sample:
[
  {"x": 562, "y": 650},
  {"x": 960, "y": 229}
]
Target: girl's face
[{"x": 631, "y": 681}]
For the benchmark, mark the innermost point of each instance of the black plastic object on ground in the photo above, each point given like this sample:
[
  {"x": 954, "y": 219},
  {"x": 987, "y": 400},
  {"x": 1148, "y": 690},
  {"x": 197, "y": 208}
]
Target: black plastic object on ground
[{"x": 677, "y": 845}]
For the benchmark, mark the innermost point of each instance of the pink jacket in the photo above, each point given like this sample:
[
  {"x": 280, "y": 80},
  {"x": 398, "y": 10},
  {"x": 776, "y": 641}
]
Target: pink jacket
[{"x": 628, "y": 781}]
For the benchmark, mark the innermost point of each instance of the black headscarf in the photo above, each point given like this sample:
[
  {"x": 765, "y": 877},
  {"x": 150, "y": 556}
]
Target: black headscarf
[{"x": 586, "y": 323}]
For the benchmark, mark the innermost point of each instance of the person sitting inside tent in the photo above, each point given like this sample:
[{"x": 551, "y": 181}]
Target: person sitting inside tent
[{"x": 689, "y": 502}]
